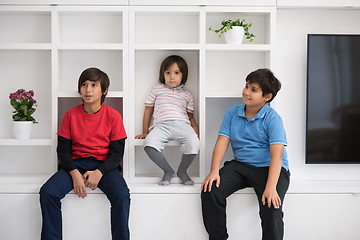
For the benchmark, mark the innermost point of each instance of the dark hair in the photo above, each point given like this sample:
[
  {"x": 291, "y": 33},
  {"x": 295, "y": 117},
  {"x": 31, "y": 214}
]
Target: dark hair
[
  {"x": 95, "y": 75},
  {"x": 267, "y": 81},
  {"x": 167, "y": 62}
]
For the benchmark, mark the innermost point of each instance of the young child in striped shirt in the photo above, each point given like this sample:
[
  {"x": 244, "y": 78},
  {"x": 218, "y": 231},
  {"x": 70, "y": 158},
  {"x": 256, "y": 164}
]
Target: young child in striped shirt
[{"x": 172, "y": 107}]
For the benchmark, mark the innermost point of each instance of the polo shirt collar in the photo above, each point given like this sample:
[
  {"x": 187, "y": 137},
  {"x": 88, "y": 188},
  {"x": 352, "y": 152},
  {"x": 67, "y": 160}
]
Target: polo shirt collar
[
  {"x": 175, "y": 89},
  {"x": 260, "y": 114}
]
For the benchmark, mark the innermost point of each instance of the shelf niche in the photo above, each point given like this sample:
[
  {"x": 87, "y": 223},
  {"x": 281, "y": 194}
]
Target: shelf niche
[
  {"x": 215, "y": 110},
  {"x": 25, "y": 27},
  {"x": 91, "y": 27},
  {"x": 73, "y": 62}
]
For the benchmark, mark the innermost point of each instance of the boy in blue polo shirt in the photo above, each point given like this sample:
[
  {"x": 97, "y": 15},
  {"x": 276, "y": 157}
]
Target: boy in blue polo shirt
[{"x": 257, "y": 137}]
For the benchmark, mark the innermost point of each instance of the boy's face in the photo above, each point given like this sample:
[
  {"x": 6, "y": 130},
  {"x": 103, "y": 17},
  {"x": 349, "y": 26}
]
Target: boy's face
[
  {"x": 173, "y": 76},
  {"x": 253, "y": 95},
  {"x": 91, "y": 92}
]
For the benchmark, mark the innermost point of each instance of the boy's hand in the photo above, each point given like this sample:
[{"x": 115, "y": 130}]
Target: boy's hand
[
  {"x": 141, "y": 136},
  {"x": 79, "y": 183},
  {"x": 92, "y": 178},
  {"x": 272, "y": 197},
  {"x": 208, "y": 181}
]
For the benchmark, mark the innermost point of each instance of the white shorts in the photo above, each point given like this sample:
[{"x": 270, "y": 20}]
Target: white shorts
[{"x": 165, "y": 131}]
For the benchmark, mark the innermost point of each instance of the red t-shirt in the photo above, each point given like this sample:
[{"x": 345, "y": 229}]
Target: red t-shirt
[{"x": 91, "y": 134}]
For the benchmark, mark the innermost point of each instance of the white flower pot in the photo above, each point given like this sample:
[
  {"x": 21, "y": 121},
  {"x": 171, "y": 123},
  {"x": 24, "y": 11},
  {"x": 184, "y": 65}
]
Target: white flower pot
[
  {"x": 234, "y": 35},
  {"x": 22, "y": 129}
]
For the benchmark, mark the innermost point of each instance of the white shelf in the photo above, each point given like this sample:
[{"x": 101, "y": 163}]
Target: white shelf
[
  {"x": 296, "y": 187},
  {"x": 25, "y": 142},
  {"x": 90, "y": 46},
  {"x": 65, "y": 2},
  {"x": 212, "y": 46},
  {"x": 144, "y": 2},
  {"x": 205, "y": 2},
  {"x": 166, "y": 46},
  {"x": 25, "y": 46},
  {"x": 31, "y": 185},
  {"x": 240, "y": 47},
  {"x": 324, "y": 187}
]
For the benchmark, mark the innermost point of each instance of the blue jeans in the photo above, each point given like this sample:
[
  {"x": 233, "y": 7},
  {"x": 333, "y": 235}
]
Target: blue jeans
[{"x": 112, "y": 184}]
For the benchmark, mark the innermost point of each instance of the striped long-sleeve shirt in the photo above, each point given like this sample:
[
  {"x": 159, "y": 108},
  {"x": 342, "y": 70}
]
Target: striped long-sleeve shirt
[{"x": 170, "y": 103}]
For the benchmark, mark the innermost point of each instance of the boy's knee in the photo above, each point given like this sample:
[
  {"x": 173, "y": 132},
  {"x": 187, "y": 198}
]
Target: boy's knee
[
  {"x": 46, "y": 192},
  {"x": 149, "y": 144},
  {"x": 271, "y": 214},
  {"x": 213, "y": 194},
  {"x": 196, "y": 145},
  {"x": 191, "y": 146},
  {"x": 121, "y": 196}
]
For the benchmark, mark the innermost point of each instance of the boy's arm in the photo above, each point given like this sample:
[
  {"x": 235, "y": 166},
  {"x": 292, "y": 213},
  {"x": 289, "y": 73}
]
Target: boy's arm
[
  {"x": 193, "y": 123},
  {"x": 113, "y": 160},
  {"x": 270, "y": 194},
  {"x": 116, "y": 154},
  {"x": 219, "y": 151},
  {"x": 149, "y": 110},
  {"x": 64, "y": 149}
]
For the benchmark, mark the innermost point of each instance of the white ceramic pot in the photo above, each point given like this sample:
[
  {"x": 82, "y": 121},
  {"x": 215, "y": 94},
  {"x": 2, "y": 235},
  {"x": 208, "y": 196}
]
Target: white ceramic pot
[
  {"x": 22, "y": 129},
  {"x": 234, "y": 35}
]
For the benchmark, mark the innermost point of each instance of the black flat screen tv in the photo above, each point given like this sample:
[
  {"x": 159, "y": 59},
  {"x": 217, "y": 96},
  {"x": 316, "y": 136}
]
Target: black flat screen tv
[{"x": 333, "y": 99}]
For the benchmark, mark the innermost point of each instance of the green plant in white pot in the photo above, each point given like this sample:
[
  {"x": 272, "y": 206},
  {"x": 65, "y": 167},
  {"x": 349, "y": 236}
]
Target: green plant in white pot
[{"x": 234, "y": 31}]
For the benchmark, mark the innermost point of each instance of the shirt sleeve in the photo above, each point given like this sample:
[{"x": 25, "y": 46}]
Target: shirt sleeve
[
  {"x": 276, "y": 131},
  {"x": 118, "y": 131},
  {"x": 150, "y": 100},
  {"x": 191, "y": 104},
  {"x": 65, "y": 127},
  {"x": 115, "y": 157},
  {"x": 225, "y": 128},
  {"x": 64, "y": 149}
]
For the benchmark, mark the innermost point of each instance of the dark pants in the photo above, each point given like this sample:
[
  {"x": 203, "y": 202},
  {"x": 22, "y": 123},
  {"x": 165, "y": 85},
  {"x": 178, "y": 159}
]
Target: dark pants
[
  {"x": 234, "y": 176},
  {"x": 112, "y": 184}
]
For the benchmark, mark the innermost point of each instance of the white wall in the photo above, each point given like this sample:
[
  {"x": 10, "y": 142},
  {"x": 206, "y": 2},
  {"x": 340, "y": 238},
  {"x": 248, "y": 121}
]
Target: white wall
[{"x": 290, "y": 67}]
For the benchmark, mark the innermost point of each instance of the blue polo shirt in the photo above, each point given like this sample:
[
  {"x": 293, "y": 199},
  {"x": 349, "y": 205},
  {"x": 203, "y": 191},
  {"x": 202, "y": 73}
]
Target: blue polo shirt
[{"x": 251, "y": 139}]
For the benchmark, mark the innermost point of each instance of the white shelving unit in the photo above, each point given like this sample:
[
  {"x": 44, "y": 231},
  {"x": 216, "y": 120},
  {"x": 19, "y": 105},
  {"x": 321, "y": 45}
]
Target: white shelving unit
[
  {"x": 25, "y": 61},
  {"x": 46, "y": 44},
  {"x": 50, "y": 46},
  {"x": 45, "y": 49},
  {"x": 215, "y": 70}
]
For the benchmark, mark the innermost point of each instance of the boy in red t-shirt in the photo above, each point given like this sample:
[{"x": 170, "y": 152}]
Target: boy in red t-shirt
[{"x": 91, "y": 143}]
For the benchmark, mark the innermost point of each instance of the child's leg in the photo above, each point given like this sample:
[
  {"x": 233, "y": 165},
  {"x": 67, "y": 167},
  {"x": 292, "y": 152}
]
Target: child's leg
[
  {"x": 186, "y": 160},
  {"x": 51, "y": 193},
  {"x": 114, "y": 187},
  {"x": 214, "y": 202},
  {"x": 159, "y": 159},
  {"x": 154, "y": 144},
  {"x": 190, "y": 146},
  {"x": 271, "y": 219}
]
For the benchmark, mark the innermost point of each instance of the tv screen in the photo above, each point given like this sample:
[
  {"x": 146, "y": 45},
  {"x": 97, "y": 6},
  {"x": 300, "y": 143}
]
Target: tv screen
[{"x": 333, "y": 99}]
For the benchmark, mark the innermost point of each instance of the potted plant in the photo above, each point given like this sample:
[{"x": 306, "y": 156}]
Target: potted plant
[
  {"x": 24, "y": 104},
  {"x": 234, "y": 31}
]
